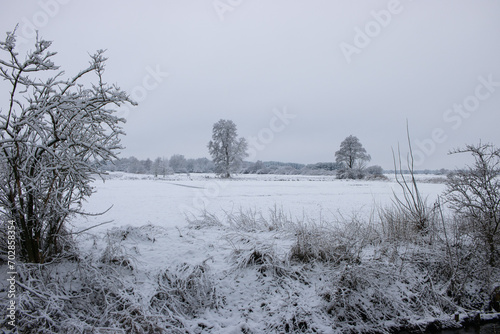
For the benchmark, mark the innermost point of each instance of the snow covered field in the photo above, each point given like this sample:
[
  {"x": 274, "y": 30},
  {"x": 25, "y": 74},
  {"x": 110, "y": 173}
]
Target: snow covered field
[
  {"x": 166, "y": 203},
  {"x": 142, "y": 199},
  {"x": 254, "y": 254},
  {"x": 253, "y": 288}
]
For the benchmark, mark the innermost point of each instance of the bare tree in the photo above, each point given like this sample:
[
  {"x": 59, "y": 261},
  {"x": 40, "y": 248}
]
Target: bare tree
[
  {"x": 53, "y": 132},
  {"x": 352, "y": 155},
  {"x": 474, "y": 195},
  {"x": 226, "y": 149}
]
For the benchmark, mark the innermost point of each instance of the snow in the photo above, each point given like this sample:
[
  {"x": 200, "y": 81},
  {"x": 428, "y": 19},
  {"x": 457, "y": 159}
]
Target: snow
[
  {"x": 142, "y": 199},
  {"x": 252, "y": 254},
  {"x": 149, "y": 226}
]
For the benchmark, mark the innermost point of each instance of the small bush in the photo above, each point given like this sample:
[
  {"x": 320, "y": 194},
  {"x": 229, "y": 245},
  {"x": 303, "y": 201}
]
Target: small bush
[
  {"x": 350, "y": 173},
  {"x": 375, "y": 173}
]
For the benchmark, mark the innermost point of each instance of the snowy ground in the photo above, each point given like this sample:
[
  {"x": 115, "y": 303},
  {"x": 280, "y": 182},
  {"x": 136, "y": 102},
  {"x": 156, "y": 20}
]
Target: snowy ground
[
  {"x": 139, "y": 199},
  {"x": 149, "y": 227},
  {"x": 253, "y": 254},
  {"x": 165, "y": 203}
]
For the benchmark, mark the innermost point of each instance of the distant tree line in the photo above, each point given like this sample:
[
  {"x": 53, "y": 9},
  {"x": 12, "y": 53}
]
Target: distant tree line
[
  {"x": 177, "y": 163},
  {"x": 228, "y": 153},
  {"x": 160, "y": 166}
]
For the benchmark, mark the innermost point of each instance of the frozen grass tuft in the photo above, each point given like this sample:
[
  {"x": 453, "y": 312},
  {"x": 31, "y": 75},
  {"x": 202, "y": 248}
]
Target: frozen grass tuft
[
  {"x": 118, "y": 254},
  {"x": 204, "y": 220},
  {"x": 187, "y": 290},
  {"x": 252, "y": 220},
  {"x": 115, "y": 252},
  {"x": 249, "y": 220},
  {"x": 315, "y": 242},
  {"x": 334, "y": 242},
  {"x": 261, "y": 255}
]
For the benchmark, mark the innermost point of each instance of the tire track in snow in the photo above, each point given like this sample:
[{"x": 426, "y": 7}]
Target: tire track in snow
[{"x": 184, "y": 185}]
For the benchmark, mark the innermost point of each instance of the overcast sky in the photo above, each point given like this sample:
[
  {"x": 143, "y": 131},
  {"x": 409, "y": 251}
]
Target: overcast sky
[{"x": 296, "y": 76}]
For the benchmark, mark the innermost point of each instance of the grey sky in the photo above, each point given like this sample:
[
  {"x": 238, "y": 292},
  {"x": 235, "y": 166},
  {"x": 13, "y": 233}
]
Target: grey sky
[{"x": 247, "y": 60}]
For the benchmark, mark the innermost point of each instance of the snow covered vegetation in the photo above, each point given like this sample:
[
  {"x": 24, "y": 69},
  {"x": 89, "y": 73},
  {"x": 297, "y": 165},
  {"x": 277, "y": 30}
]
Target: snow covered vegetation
[
  {"x": 354, "y": 251},
  {"x": 226, "y": 149},
  {"x": 254, "y": 264},
  {"x": 52, "y": 133}
]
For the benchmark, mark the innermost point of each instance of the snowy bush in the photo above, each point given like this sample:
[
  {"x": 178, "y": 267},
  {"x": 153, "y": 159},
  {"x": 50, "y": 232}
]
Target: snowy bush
[
  {"x": 474, "y": 195},
  {"x": 350, "y": 173},
  {"x": 53, "y": 131},
  {"x": 375, "y": 173}
]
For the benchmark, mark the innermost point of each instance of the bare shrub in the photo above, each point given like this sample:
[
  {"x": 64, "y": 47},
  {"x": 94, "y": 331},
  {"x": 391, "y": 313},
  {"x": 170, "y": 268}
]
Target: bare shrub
[
  {"x": 412, "y": 207},
  {"x": 474, "y": 195},
  {"x": 409, "y": 215},
  {"x": 53, "y": 132}
]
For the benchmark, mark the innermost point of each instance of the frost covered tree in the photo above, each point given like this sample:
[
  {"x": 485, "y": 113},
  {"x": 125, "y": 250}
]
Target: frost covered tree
[
  {"x": 53, "y": 130},
  {"x": 351, "y": 152},
  {"x": 147, "y": 164},
  {"x": 353, "y": 157},
  {"x": 226, "y": 149},
  {"x": 160, "y": 166},
  {"x": 178, "y": 163},
  {"x": 203, "y": 165}
]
